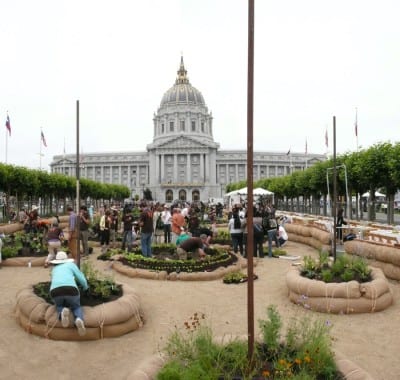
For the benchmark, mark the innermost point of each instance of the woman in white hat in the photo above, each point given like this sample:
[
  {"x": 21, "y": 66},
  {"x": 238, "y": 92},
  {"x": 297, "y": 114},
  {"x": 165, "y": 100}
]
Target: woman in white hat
[{"x": 64, "y": 290}]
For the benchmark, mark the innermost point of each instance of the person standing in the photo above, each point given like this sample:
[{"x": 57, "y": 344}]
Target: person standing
[
  {"x": 236, "y": 231},
  {"x": 146, "y": 230},
  {"x": 54, "y": 236},
  {"x": 166, "y": 219},
  {"x": 258, "y": 234},
  {"x": 114, "y": 227},
  {"x": 177, "y": 221},
  {"x": 270, "y": 226},
  {"x": 339, "y": 225},
  {"x": 64, "y": 291},
  {"x": 127, "y": 222},
  {"x": 84, "y": 221},
  {"x": 105, "y": 223},
  {"x": 72, "y": 232},
  {"x": 158, "y": 226}
]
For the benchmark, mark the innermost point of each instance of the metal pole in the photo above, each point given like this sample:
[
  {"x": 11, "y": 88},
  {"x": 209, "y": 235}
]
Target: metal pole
[
  {"x": 334, "y": 189},
  {"x": 78, "y": 231},
  {"x": 250, "y": 235}
]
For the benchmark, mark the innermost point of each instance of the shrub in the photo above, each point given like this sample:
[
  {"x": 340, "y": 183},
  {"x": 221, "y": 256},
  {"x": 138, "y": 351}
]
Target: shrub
[
  {"x": 305, "y": 353},
  {"x": 344, "y": 269}
]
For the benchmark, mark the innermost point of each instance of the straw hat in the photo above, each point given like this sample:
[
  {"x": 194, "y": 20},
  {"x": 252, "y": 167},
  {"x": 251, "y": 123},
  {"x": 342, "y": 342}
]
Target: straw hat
[{"x": 61, "y": 258}]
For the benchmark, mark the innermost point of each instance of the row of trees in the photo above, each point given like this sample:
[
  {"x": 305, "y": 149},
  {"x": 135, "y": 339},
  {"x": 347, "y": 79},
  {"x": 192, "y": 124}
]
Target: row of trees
[
  {"x": 28, "y": 185},
  {"x": 372, "y": 169}
]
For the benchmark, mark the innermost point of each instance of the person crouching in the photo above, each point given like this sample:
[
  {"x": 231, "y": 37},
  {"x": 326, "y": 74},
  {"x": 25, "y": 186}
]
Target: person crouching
[
  {"x": 64, "y": 290},
  {"x": 193, "y": 248}
]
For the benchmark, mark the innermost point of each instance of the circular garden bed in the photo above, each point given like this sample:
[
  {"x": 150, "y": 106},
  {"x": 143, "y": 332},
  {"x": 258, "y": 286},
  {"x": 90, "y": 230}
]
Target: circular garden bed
[
  {"x": 340, "y": 298},
  {"x": 110, "y": 319},
  {"x": 164, "y": 266}
]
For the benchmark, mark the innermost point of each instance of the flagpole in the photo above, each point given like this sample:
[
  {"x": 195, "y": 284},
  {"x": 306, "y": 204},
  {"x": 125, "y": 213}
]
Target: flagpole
[
  {"x": 356, "y": 130},
  {"x": 6, "y": 145},
  {"x": 40, "y": 150}
]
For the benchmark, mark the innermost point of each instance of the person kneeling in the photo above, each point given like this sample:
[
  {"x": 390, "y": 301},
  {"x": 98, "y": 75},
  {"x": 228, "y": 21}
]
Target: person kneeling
[
  {"x": 192, "y": 248},
  {"x": 64, "y": 290}
]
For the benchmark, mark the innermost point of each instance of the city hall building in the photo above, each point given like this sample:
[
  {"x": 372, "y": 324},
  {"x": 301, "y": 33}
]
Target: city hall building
[{"x": 183, "y": 161}]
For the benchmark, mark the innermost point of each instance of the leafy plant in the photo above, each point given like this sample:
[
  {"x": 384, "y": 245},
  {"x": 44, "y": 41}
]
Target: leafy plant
[
  {"x": 305, "y": 353},
  {"x": 236, "y": 277},
  {"x": 344, "y": 269}
]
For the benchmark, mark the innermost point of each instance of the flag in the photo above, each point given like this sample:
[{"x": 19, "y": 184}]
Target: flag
[
  {"x": 8, "y": 125},
  {"x": 326, "y": 138},
  {"x": 288, "y": 152},
  {"x": 43, "y": 139},
  {"x": 306, "y": 150}
]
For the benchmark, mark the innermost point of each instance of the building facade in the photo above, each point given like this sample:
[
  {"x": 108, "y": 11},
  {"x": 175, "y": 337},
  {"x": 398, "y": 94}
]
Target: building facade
[{"x": 183, "y": 161}]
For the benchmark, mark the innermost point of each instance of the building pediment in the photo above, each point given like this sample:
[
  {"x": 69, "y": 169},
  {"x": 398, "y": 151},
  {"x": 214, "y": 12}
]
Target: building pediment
[{"x": 182, "y": 142}]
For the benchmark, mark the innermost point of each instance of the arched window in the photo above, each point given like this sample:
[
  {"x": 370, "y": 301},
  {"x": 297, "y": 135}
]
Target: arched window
[
  {"x": 182, "y": 195},
  {"x": 195, "y": 195},
  {"x": 169, "y": 196}
]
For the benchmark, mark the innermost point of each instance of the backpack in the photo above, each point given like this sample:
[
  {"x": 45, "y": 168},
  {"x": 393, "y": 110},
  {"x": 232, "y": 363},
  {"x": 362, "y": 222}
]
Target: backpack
[
  {"x": 268, "y": 223},
  {"x": 159, "y": 223},
  {"x": 258, "y": 230}
]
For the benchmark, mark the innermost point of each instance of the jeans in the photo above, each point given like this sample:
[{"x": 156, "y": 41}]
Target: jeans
[
  {"x": 145, "y": 241},
  {"x": 237, "y": 242},
  {"x": 257, "y": 245},
  {"x": 85, "y": 244},
  {"x": 167, "y": 233},
  {"x": 71, "y": 302},
  {"x": 127, "y": 239},
  {"x": 272, "y": 235}
]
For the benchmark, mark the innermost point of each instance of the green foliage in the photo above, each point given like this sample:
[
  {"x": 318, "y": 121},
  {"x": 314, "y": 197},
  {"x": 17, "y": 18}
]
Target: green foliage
[
  {"x": 233, "y": 277},
  {"x": 100, "y": 285},
  {"x": 271, "y": 329},
  {"x": 306, "y": 353},
  {"x": 276, "y": 252},
  {"x": 345, "y": 268},
  {"x": 216, "y": 258}
]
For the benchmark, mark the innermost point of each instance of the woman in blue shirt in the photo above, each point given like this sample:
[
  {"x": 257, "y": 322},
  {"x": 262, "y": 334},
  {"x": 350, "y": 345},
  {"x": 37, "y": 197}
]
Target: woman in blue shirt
[{"x": 64, "y": 290}]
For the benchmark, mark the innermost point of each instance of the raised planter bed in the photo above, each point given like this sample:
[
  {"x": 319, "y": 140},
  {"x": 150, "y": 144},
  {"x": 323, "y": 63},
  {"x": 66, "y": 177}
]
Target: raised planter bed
[
  {"x": 340, "y": 298},
  {"x": 182, "y": 276},
  {"x": 110, "y": 319},
  {"x": 149, "y": 368},
  {"x": 380, "y": 255}
]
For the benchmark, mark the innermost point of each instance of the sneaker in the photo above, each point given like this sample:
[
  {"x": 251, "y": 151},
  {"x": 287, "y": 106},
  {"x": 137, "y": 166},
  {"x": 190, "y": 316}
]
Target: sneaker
[
  {"x": 65, "y": 317},
  {"x": 80, "y": 325}
]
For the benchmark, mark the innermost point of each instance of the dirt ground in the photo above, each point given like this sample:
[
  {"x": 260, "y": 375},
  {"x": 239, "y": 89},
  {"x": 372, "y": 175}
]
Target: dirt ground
[{"x": 370, "y": 340}]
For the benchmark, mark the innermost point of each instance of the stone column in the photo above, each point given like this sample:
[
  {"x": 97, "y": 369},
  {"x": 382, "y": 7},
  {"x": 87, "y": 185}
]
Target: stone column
[
  {"x": 202, "y": 175},
  {"x": 188, "y": 172},
  {"x": 162, "y": 168},
  {"x": 175, "y": 168}
]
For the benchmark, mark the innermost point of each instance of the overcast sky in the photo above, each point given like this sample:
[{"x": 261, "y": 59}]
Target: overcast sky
[{"x": 313, "y": 59}]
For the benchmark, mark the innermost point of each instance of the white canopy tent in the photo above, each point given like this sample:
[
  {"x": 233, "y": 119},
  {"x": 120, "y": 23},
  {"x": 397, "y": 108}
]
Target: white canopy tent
[
  {"x": 256, "y": 191},
  {"x": 377, "y": 194}
]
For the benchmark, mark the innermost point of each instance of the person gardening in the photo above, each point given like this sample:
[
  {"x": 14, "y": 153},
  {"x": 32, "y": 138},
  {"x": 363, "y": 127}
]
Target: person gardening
[{"x": 64, "y": 290}]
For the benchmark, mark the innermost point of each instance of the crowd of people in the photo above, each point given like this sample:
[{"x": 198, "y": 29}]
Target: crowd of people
[{"x": 146, "y": 224}]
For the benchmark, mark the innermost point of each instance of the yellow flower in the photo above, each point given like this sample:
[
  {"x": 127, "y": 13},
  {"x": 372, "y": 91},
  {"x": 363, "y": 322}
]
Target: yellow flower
[
  {"x": 307, "y": 359},
  {"x": 266, "y": 373},
  {"x": 297, "y": 361}
]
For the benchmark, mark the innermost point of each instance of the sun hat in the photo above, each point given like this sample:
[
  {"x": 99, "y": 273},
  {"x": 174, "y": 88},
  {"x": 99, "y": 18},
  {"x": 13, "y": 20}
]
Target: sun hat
[{"x": 61, "y": 258}]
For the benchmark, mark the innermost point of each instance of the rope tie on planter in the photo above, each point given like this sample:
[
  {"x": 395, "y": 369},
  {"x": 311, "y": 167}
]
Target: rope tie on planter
[
  {"x": 29, "y": 327},
  {"x": 101, "y": 321},
  {"x": 347, "y": 299},
  {"x": 50, "y": 329},
  {"x": 136, "y": 312}
]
